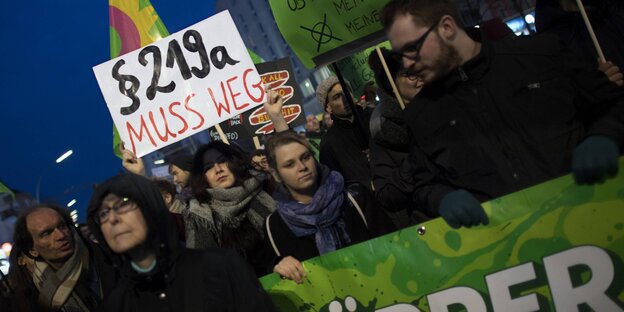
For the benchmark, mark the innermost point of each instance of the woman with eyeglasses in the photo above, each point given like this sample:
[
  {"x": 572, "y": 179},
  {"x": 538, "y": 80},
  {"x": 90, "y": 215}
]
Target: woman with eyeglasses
[
  {"x": 128, "y": 216},
  {"x": 390, "y": 139},
  {"x": 230, "y": 205}
]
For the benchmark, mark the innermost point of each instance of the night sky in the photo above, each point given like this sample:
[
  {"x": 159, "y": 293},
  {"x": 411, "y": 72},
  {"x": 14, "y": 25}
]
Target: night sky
[{"x": 50, "y": 99}]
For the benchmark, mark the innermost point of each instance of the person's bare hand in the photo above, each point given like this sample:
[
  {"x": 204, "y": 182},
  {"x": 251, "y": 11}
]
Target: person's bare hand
[
  {"x": 613, "y": 72},
  {"x": 130, "y": 162},
  {"x": 273, "y": 107},
  {"x": 290, "y": 268},
  {"x": 274, "y": 103}
]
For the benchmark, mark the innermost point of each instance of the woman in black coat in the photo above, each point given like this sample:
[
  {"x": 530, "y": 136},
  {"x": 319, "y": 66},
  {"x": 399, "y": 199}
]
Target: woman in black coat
[
  {"x": 129, "y": 218},
  {"x": 230, "y": 205},
  {"x": 316, "y": 212}
]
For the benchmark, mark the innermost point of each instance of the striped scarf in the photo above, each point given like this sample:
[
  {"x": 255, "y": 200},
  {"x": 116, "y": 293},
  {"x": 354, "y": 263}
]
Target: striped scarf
[{"x": 57, "y": 288}]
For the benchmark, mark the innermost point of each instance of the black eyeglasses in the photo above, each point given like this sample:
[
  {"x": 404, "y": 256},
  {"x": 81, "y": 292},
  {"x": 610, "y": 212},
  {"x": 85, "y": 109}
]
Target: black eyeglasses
[
  {"x": 413, "y": 47},
  {"x": 124, "y": 206},
  {"x": 409, "y": 75}
]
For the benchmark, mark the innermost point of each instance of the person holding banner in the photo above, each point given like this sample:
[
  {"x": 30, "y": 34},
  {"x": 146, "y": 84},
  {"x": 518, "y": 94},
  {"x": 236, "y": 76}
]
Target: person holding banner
[
  {"x": 128, "y": 216},
  {"x": 498, "y": 117},
  {"x": 389, "y": 146},
  {"x": 230, "y": 205},
  {"x": 317, "y": 212}
]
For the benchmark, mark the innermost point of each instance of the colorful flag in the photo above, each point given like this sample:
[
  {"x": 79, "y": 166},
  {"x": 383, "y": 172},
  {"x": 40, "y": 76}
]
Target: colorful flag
[{"x": 133, "y": 24}]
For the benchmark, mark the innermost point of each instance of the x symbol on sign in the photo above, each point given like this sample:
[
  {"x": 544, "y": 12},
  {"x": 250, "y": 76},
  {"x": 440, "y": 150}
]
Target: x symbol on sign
[{"x": 320, "y": 36}]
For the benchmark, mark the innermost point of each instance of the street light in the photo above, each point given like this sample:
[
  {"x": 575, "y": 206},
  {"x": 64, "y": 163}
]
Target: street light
[
  {"x": 64, "y": 156},
  {"x": 58, "y": 161}
]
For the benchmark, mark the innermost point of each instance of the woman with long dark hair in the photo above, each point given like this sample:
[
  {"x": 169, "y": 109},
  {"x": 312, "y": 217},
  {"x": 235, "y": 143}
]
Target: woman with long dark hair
[{"x": 229, "y": 206}]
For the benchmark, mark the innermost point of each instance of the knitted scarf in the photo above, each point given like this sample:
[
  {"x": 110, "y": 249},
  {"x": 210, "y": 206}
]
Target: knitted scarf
[
  {"x": 322, "y": 217},
  {"x": 57, "y": 289},
  {"x": 227, "y": 207}
]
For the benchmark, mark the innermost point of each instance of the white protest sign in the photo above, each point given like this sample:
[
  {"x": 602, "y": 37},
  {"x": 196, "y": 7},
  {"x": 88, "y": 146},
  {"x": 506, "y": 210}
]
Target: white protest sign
[{"x": 180, "y": 85}]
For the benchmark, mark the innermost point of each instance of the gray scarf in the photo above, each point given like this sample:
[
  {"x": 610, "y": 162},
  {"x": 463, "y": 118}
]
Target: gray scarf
[{"x": 227, "y": 207}]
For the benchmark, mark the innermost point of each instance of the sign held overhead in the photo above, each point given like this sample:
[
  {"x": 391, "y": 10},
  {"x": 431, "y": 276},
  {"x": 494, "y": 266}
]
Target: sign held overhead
[{"x": 180, "y": 85}]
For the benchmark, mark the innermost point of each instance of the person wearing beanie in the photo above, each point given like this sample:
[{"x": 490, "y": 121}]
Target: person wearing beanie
[{"x": 344, "y": 148}]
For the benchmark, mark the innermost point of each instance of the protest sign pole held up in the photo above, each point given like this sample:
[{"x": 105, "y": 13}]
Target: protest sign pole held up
[
  {"x": 349, "y": 98},
  {"x": 256, "y": 142},
  {"x": 221, "y": 134},
  {"x": 592, "y": 34},
  {"x": 385, "y": 67}
]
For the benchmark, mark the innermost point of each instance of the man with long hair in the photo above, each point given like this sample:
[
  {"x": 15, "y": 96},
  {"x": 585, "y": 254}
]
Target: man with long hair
[{"x": 53, "y": 267}]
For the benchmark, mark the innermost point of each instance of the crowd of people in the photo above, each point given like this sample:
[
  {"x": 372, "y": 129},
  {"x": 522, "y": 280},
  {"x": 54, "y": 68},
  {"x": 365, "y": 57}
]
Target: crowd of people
[{"x": 466, "y": 116}]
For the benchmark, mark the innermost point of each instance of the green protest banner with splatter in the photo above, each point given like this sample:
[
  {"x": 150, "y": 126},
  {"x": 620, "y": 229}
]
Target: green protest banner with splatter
[
  {"x": 322, "y": 31},
  {"x": 553, "y": 247}
]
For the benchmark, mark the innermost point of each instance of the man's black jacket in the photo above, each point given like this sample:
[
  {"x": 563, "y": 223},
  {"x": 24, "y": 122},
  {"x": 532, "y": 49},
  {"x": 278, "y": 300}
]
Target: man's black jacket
[{"x": 508, "y": 119}]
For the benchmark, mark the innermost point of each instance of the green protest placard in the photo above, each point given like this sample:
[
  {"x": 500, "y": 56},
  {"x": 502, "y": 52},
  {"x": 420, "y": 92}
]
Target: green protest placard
[
  {"x": 355, "y": 68},
  {"x": 553, "y": 247},
  {"x": 322, "y": 31}
]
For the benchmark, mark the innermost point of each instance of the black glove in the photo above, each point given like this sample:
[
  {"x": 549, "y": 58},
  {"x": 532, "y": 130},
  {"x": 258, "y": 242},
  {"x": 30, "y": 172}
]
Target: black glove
[
  {"x": 595, "y": 160},
  {"x": 460, "y": 208}
]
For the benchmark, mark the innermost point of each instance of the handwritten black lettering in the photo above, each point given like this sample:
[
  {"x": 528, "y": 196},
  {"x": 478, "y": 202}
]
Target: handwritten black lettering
[
  {"x": 174, "y": 54},
  {"x": 130, "y": 92},
  {"x": 295, "y": 5},
  {"x": 225, "y": 57},
  {"x": 154, "y": 87},
  {"x": 197, "y": 46},
  {"x": 363, "y": 21},
  {"x": 343, "y": 6}
]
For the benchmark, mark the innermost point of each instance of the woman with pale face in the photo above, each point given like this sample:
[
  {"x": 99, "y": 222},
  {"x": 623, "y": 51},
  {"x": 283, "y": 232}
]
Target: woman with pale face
[
  {"x": 316, "y": 212},
  {"x": 229, "y": 206},
  {"x": 390, "y": 142},
  {"x": 129, "y": 217}
]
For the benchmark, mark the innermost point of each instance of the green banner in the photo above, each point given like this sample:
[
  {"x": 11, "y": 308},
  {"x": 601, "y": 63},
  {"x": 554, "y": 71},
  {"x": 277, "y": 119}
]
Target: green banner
[
  {"x": 322, "y": 31},
  {"x": 553, "y": 247},
  {"x": 355, "y": 69}
]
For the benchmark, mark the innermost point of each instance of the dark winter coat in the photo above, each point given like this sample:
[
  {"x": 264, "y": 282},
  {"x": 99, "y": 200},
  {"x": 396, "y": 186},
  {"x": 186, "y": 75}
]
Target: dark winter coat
[
  {"x": 508, "y": 119},
  {"x": 183, "y": 279},
  {"x": 344, "y": 149}
]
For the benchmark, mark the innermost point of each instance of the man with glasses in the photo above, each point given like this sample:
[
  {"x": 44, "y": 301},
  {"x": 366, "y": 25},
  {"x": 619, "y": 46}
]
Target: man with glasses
[
  {"x": 55, "y": 268},
  {"x": 498, "y": 117}
]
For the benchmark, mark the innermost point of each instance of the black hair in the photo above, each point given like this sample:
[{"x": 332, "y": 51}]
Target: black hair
[
  {"x": 237, "y": 163},
  {"x": 380, "y": 74},
  {"x": 21, "y": 235},
  {"x": 166, "y": 187}
]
